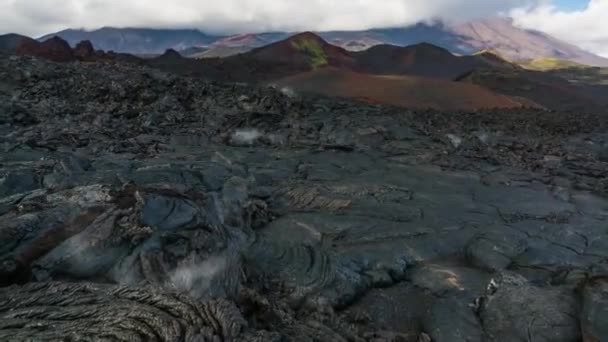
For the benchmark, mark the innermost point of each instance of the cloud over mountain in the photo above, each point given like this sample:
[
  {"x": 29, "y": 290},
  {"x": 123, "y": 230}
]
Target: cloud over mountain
[
  {"x": 587, "y": 28},
  {"x": 36, "y": 17}
]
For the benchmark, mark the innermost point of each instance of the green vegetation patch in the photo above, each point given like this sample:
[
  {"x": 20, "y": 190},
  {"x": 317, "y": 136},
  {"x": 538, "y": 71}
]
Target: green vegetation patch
[
  {"x": 590, "y": 75},
  {"x": 571, "y": 71},
  {"x": 490, "y": 52},
  {"x": 547, "y": 64},
  {"x": 313, "y": 50}
]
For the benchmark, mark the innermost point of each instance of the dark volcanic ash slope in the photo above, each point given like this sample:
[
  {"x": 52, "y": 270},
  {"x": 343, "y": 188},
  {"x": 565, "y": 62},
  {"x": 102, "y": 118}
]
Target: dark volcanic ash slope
[
  {"x": 137, "y": 205},
  {"x": 425, "y": 60},
  {"x": 10, "y": 42},
  {"x": 550, "y": 91}
]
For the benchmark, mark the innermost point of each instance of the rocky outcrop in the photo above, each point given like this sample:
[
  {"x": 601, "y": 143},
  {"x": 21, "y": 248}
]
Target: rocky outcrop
[
  {"x": 9, "y": 42},
  {"x": 84, "y": 50},
  {"x": 136, "y": 204},
  {"x": 54, "y": 49},
  {"x": 58, "y": 50},
  {"x": 519, "y": 311}
]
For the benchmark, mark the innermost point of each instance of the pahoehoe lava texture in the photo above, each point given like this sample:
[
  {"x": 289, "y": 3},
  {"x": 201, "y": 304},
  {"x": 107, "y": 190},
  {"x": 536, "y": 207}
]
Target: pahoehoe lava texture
[
  {"x": 55, "y": 311},
  {"x": 138, "y": 205}
]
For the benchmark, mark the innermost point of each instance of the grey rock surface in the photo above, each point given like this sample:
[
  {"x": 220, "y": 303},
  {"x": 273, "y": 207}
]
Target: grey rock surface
[
  {"x": 519, "y": 311},
  {"x": 138, "y": 205},
  {"x": 594, "y": 316}
]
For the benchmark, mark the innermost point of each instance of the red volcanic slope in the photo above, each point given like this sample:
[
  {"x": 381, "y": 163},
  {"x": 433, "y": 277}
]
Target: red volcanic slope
[
  {"x": 286, "y": 52},
  {"x": 58, "y": 50},
  {"x": 54, "y": 49},
  {"x": 406, "y": 91}
]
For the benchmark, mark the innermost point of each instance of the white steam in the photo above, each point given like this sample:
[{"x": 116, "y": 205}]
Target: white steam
[{"x": 245, "y": 136}]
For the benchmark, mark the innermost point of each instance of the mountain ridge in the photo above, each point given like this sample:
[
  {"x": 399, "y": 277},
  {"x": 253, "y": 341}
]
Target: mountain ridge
[
  {"x": 10, "y": 41},
  {"x": 137, "y": 40},
  {"x": 499, "y": 34}
]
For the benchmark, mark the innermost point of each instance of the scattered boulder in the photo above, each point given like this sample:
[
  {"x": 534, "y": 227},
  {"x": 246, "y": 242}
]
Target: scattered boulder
[
  {"x": 452, "y": 320},
  {"x": 516, "y": 310}
]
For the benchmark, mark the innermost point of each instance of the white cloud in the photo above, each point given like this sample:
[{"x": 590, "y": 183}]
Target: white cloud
[
  {"x": 37, "y": 17},
  {"x": 587, "y": 28}
]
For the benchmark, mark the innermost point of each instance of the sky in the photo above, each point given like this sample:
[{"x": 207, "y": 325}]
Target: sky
[
  {"x": 577, "y": 21},
  {"x": 583, "y": 23},
  {"x": 570, "y": 5}
]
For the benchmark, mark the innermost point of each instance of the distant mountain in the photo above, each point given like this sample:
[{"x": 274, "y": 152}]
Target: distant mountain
[
  {"x": 137, "y": 40},
  {"x": 308, "y": 51},
  {"x": 219, "y": 52},
  {"x": 250, "y": 40},
  {"x": 237, "y": 44},
  {"x": 501, "y": 35},
  {"x": 423, "y": 59},
  {"x": 497, "y": 34},
  {"x": 193, "y": 51},
  {"x": 436, "y": 34},
  {"x": 10, "y": 42},
  {"x": 353, "y": 41}
]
